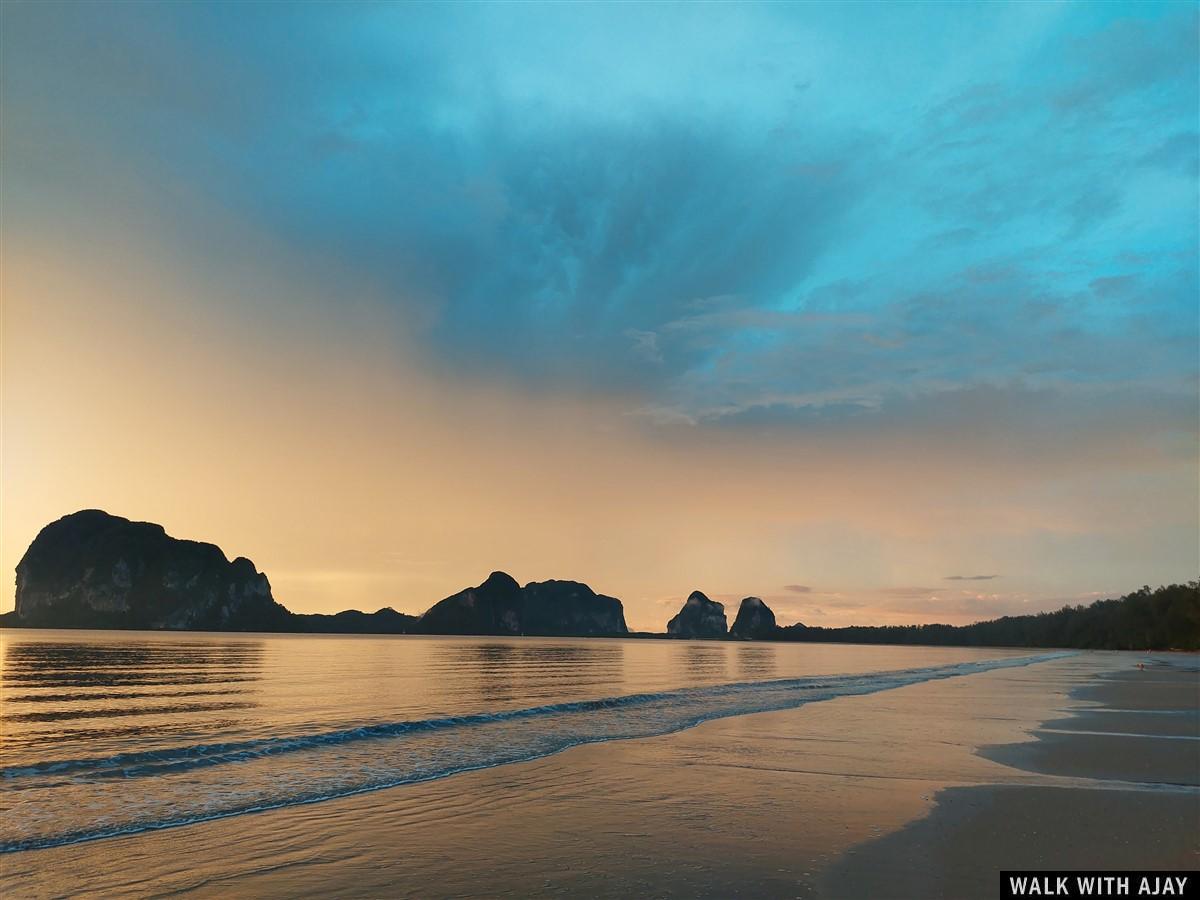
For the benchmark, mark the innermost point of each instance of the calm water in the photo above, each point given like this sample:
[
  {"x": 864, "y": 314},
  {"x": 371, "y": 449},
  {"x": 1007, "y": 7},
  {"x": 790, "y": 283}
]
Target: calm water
[{"x": 110, "y": 733}]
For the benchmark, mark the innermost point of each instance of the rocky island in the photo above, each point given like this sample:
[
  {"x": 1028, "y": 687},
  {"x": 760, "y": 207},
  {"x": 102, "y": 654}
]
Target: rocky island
[
  {"x": 754, "y": 621},
  {"x": 699, "y": 618},
  {"x": 95, "y": 570},
  {"x": 501, "y": 606}
]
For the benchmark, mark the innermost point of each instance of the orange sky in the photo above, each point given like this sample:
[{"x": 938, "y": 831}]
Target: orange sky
[
  {"x": 356, "y": 480},
  {"x": 385, "y": 301}
]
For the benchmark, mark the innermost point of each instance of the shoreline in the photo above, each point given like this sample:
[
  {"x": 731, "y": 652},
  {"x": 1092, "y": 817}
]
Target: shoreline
[
  {"x": 766, "y": 803},
  {"x": 633, "y": 636},
  {"x": 557, "y": 608},
  {"x": 1134, "y": 807},
  {"x": 831, "y": 688}
]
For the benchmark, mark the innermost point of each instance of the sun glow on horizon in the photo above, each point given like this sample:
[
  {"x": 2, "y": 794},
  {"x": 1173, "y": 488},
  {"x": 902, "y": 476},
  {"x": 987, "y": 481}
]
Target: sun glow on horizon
[{"x": 381, "y": 305}]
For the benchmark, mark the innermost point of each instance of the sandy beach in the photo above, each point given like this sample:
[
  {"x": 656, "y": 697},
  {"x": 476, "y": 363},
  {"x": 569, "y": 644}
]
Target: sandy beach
[
  {"x": 1129, "y": 759},
  {"x": 532, "y": 449},
  {"x": 926, "y": 790}
]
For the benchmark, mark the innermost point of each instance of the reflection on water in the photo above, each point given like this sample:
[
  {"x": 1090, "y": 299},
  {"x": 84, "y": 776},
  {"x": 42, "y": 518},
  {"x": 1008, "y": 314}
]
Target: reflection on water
[
  {"x": 64, "y": 662},
  {"x": 755, "y": 662},
  {"x": 531, "y": 672},
  {"x": 124, "y": 695},
  {"x": 712, "y": 662},
  {"x": 704, "y": 662},
  {"x": 104, "y": 712},
  {"x": 51, "y": 684},
  {"x": 111, "y": 732}
]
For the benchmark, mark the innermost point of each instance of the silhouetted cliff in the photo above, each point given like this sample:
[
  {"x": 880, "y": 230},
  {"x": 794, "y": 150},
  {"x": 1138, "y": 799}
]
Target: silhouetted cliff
[
  {"x": 570, "y": 607},
  {"x": 95, "y": 570},
  {"x": 353, "y": 621},
  {"x": 493, "y": 607},
  {"x": 754, "y": 621},
  {"x": 501, "y": 606},
  {"x": 699, "y": 618},
  {"x": 91, "y": 569}
]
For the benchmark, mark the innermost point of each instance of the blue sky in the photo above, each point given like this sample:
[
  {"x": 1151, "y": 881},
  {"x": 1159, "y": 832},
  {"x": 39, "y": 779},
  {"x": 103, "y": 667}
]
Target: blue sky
[{"x": 761, "y": 223}]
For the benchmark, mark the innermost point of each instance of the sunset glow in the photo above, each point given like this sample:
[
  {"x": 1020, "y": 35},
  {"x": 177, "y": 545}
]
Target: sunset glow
[{"x": 388, "y": 300}]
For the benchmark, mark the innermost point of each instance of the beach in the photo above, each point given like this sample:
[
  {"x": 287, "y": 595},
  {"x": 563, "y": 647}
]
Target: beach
[
  {"x": 624, "y": 450},
  {"x": 1126, "y": 797},
  {"x": 1082, "y": 761}
]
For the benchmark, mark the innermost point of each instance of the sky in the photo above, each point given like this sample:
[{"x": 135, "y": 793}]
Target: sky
[{"x": 886, "y": 313}]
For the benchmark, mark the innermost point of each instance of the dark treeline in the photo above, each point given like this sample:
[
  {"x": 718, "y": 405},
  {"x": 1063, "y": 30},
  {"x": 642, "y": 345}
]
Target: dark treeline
[{"x": 1166, "y": 618}]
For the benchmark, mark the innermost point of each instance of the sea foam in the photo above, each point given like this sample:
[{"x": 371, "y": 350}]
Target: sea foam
[{"x": 66, "y": 801}]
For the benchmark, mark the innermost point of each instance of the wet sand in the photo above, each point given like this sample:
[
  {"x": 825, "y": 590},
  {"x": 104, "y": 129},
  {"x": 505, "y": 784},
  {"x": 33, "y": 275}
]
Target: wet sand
[
  {"x": 1141, "y": 726},
  {"x": 881, "y": 795},
  {"x": 1137, "y": 740}
]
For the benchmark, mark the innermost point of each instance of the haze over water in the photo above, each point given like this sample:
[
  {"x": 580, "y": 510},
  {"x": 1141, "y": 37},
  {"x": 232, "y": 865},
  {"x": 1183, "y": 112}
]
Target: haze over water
[{"x": 114, "y": 733}]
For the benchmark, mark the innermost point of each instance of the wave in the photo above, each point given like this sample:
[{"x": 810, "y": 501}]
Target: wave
[{"x": 200, "y": 782}]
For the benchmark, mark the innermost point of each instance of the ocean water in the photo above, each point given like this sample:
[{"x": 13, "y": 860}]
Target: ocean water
[{"x": 111, "y": 733}]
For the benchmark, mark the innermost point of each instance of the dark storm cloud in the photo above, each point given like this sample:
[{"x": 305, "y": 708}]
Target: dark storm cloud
[{"x": 701, "y": 209}]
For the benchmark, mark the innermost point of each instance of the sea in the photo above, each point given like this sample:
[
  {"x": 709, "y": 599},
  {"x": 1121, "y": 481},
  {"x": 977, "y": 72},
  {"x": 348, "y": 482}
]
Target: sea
[{"x": 120, "y": 732}]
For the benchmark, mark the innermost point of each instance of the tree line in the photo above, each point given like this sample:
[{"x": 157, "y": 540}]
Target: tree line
[{"x": 1164, "y": 618}]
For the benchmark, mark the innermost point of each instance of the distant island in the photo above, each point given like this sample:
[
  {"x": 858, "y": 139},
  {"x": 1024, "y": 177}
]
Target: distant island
[{"x": 95, "y": 570}]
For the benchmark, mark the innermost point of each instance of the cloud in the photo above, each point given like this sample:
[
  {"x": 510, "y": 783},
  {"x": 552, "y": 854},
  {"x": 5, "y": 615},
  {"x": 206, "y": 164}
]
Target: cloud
[
  {"x": 1126, "y": 60},
  {"x": 907, "y": 592},
  {"x": 1179, "y": 153},
  {"x": 851, "y": 605},
  {"x": 717, "y": 238},
  {"x": 713, "y": 257},
  {"x": 970, "y": 577},
  {"x": 645, "y": 344},
  {"x": 798, "y": 588}
]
